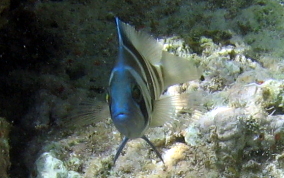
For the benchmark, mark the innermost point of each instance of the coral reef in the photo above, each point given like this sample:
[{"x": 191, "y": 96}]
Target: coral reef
[
  {"x": 49, "y": 167},
  {"x": 236, "y": 132},
  {"x": 56, "y": 54}
]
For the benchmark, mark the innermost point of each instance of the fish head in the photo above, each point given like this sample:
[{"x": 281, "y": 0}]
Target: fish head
[{"x": 127, "y": 103}]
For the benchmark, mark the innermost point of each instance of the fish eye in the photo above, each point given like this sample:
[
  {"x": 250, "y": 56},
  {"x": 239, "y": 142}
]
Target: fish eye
[
  {"x": 108, "y": 97},
  {"x": 136, "y": 93}
]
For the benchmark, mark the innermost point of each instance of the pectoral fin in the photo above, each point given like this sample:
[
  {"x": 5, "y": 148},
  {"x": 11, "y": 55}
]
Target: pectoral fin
[
  {"x": 166, "y": 108},
  {"x": 85, "y": 113}
]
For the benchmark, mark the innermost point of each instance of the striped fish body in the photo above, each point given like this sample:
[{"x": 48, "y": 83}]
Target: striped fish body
[{"x": 141, "y": 73}]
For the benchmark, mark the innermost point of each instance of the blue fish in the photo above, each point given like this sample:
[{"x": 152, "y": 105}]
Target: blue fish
[{"x": 141, "y": 73}]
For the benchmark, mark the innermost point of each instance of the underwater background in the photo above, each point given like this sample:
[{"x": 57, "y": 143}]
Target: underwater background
[{"x": 56, "y": 53}]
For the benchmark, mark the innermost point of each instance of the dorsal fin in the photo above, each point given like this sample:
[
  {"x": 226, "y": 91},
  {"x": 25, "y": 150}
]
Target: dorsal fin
[
  {"x": 145, "y": 44},
  {"x": 178, "y": 70},
  {"x": 175, "y": 69}
]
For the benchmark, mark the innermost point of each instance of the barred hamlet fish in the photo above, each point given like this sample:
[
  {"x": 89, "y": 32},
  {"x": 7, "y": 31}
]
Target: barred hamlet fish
[{"x": 141, "y": 73}]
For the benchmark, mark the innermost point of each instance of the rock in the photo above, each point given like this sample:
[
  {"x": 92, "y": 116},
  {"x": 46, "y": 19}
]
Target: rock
[{"x": 4, "y": 148}]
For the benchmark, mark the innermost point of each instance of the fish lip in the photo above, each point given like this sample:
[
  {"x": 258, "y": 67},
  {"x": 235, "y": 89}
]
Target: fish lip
[{"x": 120, "y": 114}]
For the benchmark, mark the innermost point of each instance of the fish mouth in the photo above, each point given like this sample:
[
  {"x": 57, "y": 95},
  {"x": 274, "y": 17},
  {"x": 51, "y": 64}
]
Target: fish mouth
[{"x": 121, "y": 115}]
